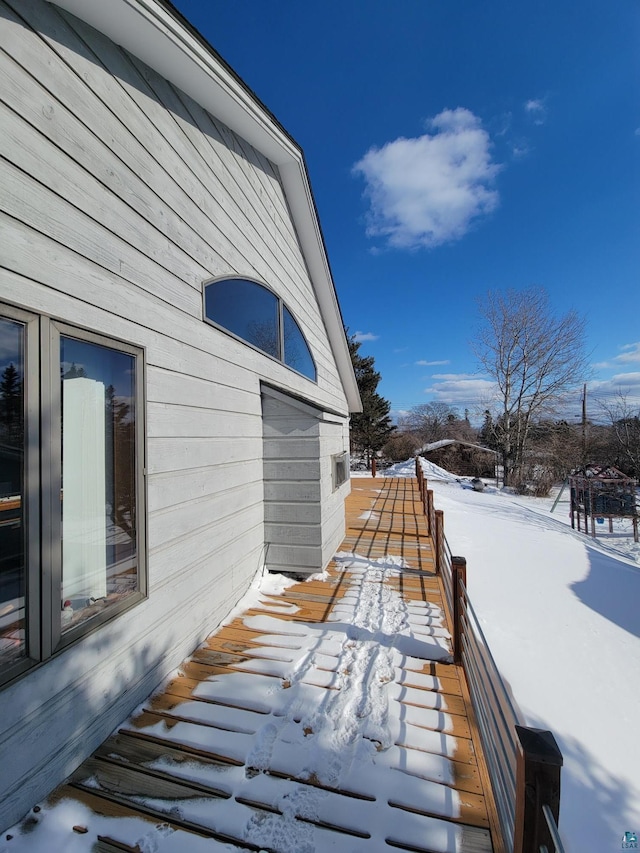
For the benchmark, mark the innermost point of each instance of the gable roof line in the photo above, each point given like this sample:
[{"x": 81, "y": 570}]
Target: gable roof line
[{"x": 155, "y": 32}]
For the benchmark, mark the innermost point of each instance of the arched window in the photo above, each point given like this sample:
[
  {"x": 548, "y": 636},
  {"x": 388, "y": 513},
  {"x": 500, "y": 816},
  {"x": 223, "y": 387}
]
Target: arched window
[{"x": 255, "y": 314}]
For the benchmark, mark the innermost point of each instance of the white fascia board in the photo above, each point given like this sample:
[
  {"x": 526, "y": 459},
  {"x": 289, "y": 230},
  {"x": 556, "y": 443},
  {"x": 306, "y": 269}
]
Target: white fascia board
[
  {"x": 298, "y": 191},
  {"x": 149, "y": 31}
]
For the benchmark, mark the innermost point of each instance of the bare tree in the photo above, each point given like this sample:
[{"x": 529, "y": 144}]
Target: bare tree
[
  {"x": 534, "y": 358},
  {"x": 401, "y": 446},
  {"x": 430, "y": 421},
  {"x": 625, "y": 426}
]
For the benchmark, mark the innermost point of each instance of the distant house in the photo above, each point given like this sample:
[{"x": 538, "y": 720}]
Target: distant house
[
  {"x": 175, "y": 382},
  {"x": 461, "y": 457}
]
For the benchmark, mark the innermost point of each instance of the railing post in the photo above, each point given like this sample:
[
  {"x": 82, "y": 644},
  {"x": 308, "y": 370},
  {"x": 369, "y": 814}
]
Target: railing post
[
  {"x": 438, "y": 541},
  {"x": 428, "y": 511},
  {"x": 458, "y": 573},
  {"x": 537, "y": 783}
]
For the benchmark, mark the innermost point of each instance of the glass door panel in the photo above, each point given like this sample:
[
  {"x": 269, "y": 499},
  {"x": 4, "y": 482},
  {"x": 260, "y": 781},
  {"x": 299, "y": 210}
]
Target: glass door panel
[
  {"x": 99, "y": 541},
  {"x": 13, "y": 581}
]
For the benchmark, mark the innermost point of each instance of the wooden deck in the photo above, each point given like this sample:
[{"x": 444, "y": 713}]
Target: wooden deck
[{"x": 241, "y": 745}]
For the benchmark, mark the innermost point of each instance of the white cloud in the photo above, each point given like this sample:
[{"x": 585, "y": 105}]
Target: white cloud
[
  {"x": 423, "y": 363},
  {"x": 631, "y": 353},
  {"x": 637, "y": 131},
  {"x": 536, "y": 108},
  {"x": 462, "y": 390},
  {"x": 625, "y": 384},
  {"x": 520, "y": 150},
  {"x": 428, "y": 190},
  {"x": 365, "y": 336},
  {"x": 454, "y": 376},
  {"x": 628, "y": 380}
]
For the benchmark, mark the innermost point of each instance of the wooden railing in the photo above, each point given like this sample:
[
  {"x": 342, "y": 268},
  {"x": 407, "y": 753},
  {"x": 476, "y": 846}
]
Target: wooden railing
[{"x": 524, "y": 763}]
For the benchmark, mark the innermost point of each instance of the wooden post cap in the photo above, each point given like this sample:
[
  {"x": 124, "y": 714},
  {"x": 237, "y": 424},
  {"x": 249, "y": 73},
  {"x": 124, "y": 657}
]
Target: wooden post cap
[{"x": 539, "y": 745}]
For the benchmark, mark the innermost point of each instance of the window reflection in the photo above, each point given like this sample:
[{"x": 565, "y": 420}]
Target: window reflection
[
  {"x": 252, "y": 312},
  {"x": 99, "y": 559},
  {"x": 247, "y": 309},
  {"x": 296, "y": 351},
  {"x": 12, "y": 498}
]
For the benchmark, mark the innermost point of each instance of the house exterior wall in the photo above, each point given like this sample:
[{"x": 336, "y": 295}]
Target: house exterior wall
[{"x": 120, "y": 198}]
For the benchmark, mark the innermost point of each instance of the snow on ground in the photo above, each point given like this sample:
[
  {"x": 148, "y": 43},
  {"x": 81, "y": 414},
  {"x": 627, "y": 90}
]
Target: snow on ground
[{"x": 561, "y": 613}]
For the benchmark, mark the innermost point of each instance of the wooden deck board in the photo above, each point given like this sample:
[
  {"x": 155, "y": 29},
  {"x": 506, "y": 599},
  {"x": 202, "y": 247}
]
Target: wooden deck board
[{"x": 198, "y": 728}]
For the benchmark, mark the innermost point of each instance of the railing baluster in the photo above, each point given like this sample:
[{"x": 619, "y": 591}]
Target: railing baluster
[{"x": 553, "y": 829}]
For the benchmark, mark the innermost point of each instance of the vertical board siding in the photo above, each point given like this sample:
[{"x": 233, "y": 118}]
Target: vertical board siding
[{"x": 121, "y": 196}]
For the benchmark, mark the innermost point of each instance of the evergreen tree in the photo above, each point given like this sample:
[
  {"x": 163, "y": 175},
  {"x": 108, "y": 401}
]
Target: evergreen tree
[
  {"x": 371, "y": 428},
  {"x": 487, "y": 434},
  {"x": 11, "y": 407}
]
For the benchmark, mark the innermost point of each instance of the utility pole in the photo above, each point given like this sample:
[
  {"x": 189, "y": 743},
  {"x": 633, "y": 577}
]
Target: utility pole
[{"x": 584, "y": 424}]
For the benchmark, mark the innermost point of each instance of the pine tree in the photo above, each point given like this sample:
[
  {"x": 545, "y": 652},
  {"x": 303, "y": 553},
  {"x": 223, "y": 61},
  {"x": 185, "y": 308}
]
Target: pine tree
[
  {"x": 370, "y": 428},
  {"x": 11, "y": 407}
]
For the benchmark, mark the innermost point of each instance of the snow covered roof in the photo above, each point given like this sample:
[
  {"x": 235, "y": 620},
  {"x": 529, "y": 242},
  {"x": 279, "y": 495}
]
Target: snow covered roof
[
  {"x": 444, "y": 442},
  {"x": 602, "y": 472}
]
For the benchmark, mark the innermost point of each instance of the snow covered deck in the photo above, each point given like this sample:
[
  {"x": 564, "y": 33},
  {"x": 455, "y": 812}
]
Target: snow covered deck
[{"x": 325, "y": 716}]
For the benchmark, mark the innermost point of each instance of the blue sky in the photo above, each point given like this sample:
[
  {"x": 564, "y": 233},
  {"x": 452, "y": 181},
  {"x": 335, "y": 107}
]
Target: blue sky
[{"x": 455, "y": 147}]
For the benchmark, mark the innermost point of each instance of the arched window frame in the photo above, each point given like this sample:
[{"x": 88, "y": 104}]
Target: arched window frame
[{"x": 281, "y": 306}]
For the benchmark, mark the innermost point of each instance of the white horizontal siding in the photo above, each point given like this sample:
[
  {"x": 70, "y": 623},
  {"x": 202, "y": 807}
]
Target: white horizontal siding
[
  {"x": 69, "y": 108},
  {"x": 167, "y": 420},
  {"x": 294, "y": 534},
  {"x": 293, "y": 448},
  {"x": 175, "y": 559},
  {"x": 288, "y": 492},
  {"x": 333, "y": 530},
  {"x": 78, "y": 699},
  {"x": 283, "y": 511},
  {"x": 300, "y": 559},
  {"x": 121, "y": 196},
  {"x": 187, "y": 519},
  {"x": 288, "y": 470},
  {"x": 174, "y": 488}
]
